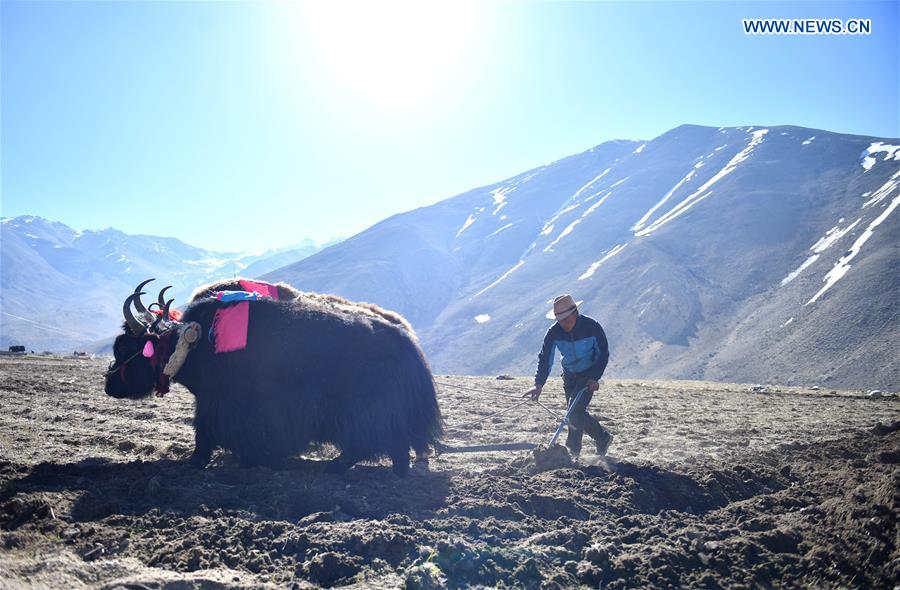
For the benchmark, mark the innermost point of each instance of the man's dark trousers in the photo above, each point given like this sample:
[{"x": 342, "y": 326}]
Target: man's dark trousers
[{"x": 579, "y": 420}]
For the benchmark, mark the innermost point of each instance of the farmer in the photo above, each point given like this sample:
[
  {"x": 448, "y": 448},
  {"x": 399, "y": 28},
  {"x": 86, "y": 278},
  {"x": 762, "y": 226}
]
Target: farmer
[{"x": 585, "y": 352}]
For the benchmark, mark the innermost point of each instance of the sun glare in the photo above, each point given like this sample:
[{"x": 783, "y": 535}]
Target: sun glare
[{"x": 395, "y": 53}]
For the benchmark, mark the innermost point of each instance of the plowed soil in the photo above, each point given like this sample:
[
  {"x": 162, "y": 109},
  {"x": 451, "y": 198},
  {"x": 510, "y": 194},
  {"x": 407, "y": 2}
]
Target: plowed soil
[{"x": 706, "y": 485}]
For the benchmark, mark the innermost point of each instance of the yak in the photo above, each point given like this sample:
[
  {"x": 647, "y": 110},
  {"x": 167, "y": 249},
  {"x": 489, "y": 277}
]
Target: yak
[{"x": 315, "y": 369}]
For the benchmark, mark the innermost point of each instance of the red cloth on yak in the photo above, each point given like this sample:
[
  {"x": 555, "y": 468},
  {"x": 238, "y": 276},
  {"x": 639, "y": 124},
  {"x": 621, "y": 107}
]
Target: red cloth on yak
[
  {"x": 264, "y": 289},
  {"x": 230, "y": 327},
  {"x": 174, "y": 314},
  {"x": 230, "y": 323}
]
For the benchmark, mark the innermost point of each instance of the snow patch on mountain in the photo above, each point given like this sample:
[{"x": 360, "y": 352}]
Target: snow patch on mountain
[
  {"x": 794, "y": 274},
  {"x": 500, "y": 197},
  {"x": 891, "y": 152},
  {"x": 809, "y": 141},
  {"x": 503, "y": 276},
  {"x": 842, "y": 266},
  {"x": 697, "y": 196},
  {"x": 589, "y": 184},
  {"x": 884, "y": 190},
  {"x": 572, "y": 225},
  {"x": 548, "y": 225},
  {"x": 571, "y": 204},
  {"x": 500, "y": 229},
  {"x": 832, "y": 236},
  {"x": 829, "y": 239},
  {"x": 594, "y": 266},
  {"x": 661, "y": 202},
  {"x": 563, "y": 234},
  {"x": 597, "y": 204},
  {"x": 469, "y": 221}
]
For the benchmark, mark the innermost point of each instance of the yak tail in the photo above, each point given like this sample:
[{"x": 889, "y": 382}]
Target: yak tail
[{"x": 424, "y": 423}]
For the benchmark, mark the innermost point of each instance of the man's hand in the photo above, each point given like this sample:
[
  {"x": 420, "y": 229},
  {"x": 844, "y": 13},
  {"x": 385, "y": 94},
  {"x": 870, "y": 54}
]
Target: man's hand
[
  {"x": 593, "y": 385},
  {"x": 534, "y": 392}
]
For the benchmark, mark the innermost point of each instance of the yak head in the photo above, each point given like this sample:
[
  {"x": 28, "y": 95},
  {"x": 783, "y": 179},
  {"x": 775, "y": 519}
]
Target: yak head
[{"x": 133, "y": 373}]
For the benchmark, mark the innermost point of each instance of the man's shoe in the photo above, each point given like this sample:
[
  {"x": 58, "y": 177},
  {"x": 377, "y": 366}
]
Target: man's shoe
[{"x": 603, "y": 443}]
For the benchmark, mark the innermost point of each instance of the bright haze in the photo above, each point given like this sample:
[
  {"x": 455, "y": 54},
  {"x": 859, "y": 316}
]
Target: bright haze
[{"x": 242, "y": 126}]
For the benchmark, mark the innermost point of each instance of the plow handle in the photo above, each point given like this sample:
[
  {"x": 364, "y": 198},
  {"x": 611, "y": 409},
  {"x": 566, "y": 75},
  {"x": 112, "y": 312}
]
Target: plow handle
[{"x": 565, "y": 419}]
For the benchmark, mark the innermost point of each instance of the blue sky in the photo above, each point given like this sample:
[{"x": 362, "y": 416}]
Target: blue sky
[{"x": 250, "y": 125}]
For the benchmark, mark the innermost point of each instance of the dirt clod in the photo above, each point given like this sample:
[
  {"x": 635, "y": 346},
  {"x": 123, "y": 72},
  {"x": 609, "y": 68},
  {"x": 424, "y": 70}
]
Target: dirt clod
[
  {"x": 545, "y": 458},
  {"x": 425, "y": 576}
]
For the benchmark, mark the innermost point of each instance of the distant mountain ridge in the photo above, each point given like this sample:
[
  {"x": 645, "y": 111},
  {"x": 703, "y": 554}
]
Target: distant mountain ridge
[
  {"x": 756, "y": 254},
  {"x": 753, "y": 254},
  {"x": 62, "y": 289}
]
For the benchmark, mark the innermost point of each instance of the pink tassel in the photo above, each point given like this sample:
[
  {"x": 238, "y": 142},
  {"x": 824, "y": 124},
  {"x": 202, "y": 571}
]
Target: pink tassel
[{"x": 148, "y": 349}]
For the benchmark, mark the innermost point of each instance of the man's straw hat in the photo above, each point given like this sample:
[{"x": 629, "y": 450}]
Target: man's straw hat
[{"x": 563, "y": 307}]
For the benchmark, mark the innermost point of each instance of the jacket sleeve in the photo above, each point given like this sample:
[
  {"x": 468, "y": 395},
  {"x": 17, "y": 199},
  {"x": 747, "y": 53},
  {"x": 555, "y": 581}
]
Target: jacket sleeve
[
  {"x": 545, "y": 359},
  {"x": 597, "y": 369}
]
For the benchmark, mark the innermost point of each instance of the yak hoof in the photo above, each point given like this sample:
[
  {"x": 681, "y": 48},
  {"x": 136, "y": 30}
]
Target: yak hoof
[{"x": 400, "y": 463}]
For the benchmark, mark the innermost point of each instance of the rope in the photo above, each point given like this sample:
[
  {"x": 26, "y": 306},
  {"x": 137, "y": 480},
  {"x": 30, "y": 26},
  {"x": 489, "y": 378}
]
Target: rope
[
  {"x": 517, "y": 397},
  {"x": 552, "y": 413},
  {"x": 500, "y": 412},
  {"x": 478, "y": 390},
  {"x": 116, "y": 367}
]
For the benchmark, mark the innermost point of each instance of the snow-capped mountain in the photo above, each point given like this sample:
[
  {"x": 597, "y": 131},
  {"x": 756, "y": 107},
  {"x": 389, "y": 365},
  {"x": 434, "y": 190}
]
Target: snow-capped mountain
[
  {"x": 744, "y": 254},
  {"x": 61, "y": 288}
]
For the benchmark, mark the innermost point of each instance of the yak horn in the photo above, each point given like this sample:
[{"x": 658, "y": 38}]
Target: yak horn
[
  {"x": 138, "y": 328},
  {"x": 137, "y": 301},
  {"x": 163, "y": 315},
  {"x": 161, "y": 297}
]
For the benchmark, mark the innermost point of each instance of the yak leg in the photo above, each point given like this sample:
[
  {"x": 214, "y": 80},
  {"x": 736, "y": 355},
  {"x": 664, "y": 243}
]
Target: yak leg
[
  {"x": 400, "y": 458},
  {"x": 203, "y": 438},
  {"x": 203, "y": 448},
  {"x": 342, "y": 462},
  {"x": 422, "y": 452}
]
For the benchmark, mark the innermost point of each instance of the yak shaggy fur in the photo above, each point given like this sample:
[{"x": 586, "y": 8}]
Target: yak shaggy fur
[
  {"x": 286, "y": 292},
  {"x": 311, "y": 373}
]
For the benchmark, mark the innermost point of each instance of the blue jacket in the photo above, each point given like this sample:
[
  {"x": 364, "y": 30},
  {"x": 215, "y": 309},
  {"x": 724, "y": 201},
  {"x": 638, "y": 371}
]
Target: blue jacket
[{"x": 584, "y": 350}]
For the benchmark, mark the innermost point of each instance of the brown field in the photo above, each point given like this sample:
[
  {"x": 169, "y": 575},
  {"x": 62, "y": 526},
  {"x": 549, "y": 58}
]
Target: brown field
[{"x": 707, "y": 485}]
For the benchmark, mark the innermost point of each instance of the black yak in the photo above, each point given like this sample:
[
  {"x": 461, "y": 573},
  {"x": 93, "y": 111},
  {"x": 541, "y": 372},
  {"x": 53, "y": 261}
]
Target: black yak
[{"x": 313, "y": 370}]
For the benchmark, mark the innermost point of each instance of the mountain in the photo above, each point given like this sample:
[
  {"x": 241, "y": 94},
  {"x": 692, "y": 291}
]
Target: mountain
[
  {"x": 62, "y": 289},
  {"x": 751, "y": 254}
]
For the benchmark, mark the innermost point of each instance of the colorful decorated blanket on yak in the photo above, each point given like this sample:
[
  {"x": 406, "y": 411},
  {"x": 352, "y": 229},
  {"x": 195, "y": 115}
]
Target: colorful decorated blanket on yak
[{"x": 229, "y": 328}]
